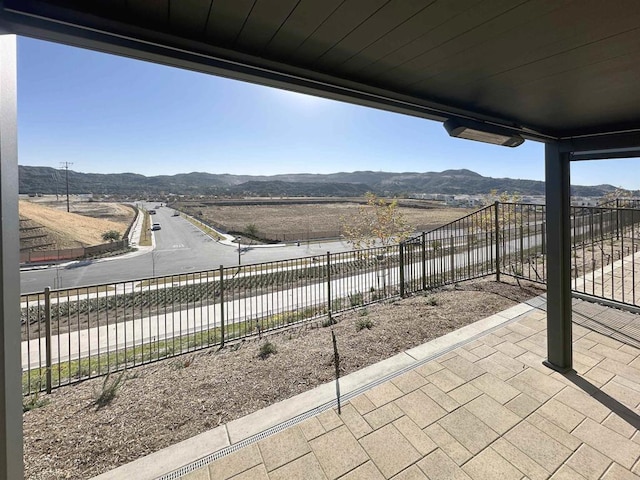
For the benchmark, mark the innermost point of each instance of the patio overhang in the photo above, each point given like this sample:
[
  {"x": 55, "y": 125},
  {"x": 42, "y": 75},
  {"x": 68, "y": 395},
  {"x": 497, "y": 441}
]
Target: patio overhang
[{"x": 563, "y": 73}]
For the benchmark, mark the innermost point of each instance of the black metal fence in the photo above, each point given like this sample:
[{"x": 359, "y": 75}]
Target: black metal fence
[{"x": 72, "y": 335}]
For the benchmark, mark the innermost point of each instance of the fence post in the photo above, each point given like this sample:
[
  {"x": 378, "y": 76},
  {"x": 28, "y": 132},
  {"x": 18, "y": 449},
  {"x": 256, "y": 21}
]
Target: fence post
[
  {"x": 47, "y": 329},
  {"x": 424, "y": 261},
  {"x": 452, "y": 247},
  {"x": 522, "y": 248},
  {"x": 221, "y": 306},
  {"x": 617, "y": 219},
  {"x": 497, "y": 228},
  {"x": 401, "y": 253},
  {"x": 329, "y": 284}
]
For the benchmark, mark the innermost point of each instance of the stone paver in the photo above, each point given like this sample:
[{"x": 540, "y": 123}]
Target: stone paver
[
  {"x": 368, "y": 471},
  {"x": 523, "y": 405},
  {"x": 606, "y": 441},
  {"x": 445, "y": 380},
  {"x": 312, "y": 428},
  {"x": 495, "y": 388},
  {"x": 256, "y": 473},
  {"x": 410, "y": 381},
  {"x": 616, "y": 472},
  {"x": 448, "y": 444},
  {"x": 200, "y": 474},
  {"x": 338, "y": 452},
  {"x": 499, "y": 418},
  {"x": 411, "y": 473},
  {"x": 354, "y": 421},
  {"x": 561, "y": 414},
  {"x": 283, "y": 447},
  {"x": 383, "y": 394},
  {"x": 329, "y": 419},
  {"x": 588, "y": 462},
  {"x": 437, "y": 466},
  {"x": 420, "y": 408},
  {"x": 418, "y": 439},
  {"x": 383, "y": 415},
  {"x": 488, "y": 410},
  {"x": 520, "y": 460},
  {"x": 235, "y": 463},
  {"x": 489, "y": 465},
  {"x": 444, "y": 400},
  {"x": 390, "y": 450},
  {"x": 306, "y": 467},
  {"x": 540, "y": 447},
  {"x": 468, "y": 429}
]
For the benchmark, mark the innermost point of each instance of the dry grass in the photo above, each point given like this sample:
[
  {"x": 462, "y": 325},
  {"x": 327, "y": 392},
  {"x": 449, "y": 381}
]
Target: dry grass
[
  {"x": 71, "y": 229},
  {"x": 166, "y": 402},
  {"x": 296, "y": 221}
]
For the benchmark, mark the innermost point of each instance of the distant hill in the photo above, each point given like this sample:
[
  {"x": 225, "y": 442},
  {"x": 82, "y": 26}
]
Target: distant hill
[{"x": 47, "y": 180}]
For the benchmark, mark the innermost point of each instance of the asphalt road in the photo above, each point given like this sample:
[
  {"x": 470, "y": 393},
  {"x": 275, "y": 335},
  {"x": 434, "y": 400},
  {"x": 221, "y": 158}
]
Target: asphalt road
[{"x": 180, "y": 247}]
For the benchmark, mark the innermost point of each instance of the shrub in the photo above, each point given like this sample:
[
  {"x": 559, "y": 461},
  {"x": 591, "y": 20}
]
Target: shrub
[
  {"x": 267, "y": 349},
  {"x": 432, "y": 301},
  {"x": 363, "y": 323},
  {"x": 355, "y": 299},
  {"x": 34, "y": 401},
  {"x": 109, "y": 390},
  {"x": 329, "y": 321},
  {"x": 111, "y": 236}
]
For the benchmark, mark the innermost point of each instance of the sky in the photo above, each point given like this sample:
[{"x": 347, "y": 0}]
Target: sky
[{"x": 109, "y": 114}]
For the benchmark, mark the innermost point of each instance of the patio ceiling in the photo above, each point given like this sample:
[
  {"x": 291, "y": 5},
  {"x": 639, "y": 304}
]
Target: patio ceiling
[{"x": 551, "y": 69}]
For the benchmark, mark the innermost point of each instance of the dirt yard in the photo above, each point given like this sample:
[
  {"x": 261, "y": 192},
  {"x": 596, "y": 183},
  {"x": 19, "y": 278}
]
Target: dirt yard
[
  {"x": 83, "y": 226},
  {"x": 160, "y": 404},
  {"x": 298, "y": 222}
]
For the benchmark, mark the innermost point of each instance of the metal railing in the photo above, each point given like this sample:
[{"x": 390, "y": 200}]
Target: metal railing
[
  {"x": 75, "y": 334},
  {"x": 72, "y": 335}
]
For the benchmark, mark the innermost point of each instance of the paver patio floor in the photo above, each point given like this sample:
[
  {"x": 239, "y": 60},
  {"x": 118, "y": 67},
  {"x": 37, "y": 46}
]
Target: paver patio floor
[{"x": 486, "y": 410}]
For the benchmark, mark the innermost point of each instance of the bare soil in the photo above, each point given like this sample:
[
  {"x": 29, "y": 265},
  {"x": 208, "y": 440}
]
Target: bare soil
[
  {"x": 303, "y": 221},
  {"x": 166, "y": 402},
  {"x": 82, "y": 226}
]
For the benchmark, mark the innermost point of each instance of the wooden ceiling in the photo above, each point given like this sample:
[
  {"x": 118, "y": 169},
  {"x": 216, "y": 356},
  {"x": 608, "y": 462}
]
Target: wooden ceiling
[{"x": 547, "y": 68}]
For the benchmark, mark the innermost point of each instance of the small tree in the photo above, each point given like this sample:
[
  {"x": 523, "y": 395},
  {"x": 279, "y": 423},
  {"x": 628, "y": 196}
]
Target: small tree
[
  {"x": 251, "y": 231},
  {"x": 618, "y": 197},
  {"x": 379, "y": 222},
  {"x": 111, "y": 236},
  {"x": 510, "y": 213}
]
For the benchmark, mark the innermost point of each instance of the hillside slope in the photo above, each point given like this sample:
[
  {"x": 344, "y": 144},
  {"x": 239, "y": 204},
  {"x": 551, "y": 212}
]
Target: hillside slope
[
  {"x": 34, "y": 180},
  {"x": 69, "y": 230}
]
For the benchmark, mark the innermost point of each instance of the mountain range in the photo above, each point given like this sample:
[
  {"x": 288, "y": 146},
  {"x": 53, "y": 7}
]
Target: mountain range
[{"x": 47, "y": 180}]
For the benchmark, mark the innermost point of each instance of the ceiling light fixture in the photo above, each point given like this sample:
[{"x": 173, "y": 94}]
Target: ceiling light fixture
[{"x": 482, "y": 132}]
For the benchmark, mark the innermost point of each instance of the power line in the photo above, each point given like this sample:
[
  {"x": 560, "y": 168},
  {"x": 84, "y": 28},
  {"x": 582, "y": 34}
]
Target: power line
[{"x": 66, "y": 165}]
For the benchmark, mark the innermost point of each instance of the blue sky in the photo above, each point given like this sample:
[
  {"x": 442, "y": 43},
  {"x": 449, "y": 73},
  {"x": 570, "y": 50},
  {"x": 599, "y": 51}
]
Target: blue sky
[{"x": 108, "y": 114}]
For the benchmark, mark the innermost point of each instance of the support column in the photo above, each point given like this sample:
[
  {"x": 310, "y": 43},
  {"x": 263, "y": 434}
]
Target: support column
[
  {"x": 558, "y": 221},
  {"x": 10, "y": 381}
]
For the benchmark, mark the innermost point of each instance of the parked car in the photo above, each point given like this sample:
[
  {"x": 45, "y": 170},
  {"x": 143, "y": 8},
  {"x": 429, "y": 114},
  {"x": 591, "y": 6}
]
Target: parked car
[
  {"x": 152, "y": 212},
  {"x": 155, "y": 226},
  {"x": 176, "y": 213}
]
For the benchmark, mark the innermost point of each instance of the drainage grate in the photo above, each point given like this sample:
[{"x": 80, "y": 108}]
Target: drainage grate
[{"x": 176, "y": 474}]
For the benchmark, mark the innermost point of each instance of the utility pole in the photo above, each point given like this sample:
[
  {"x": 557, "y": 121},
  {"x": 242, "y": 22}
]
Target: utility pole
[{"x": 66, "y": 165}]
